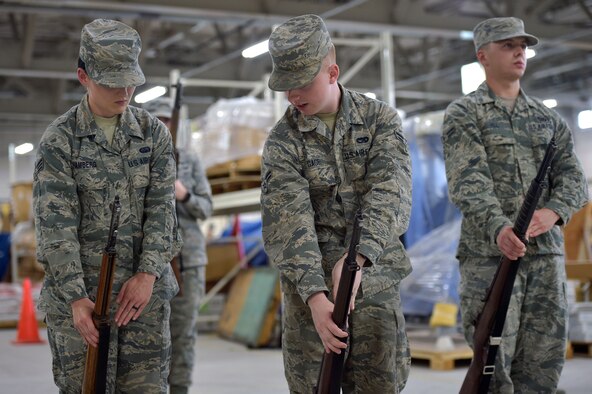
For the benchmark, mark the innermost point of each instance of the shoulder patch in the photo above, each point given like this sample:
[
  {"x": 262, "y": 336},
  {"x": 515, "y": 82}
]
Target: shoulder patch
[
  {"x": 38, "y": 168},
  {"x": 265, "y": 183}
]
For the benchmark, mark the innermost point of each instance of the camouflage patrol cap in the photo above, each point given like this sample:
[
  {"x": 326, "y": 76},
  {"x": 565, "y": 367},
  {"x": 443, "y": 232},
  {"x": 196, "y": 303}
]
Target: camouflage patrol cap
[
  {"x": 497, "y": 29},
  {"x": 161, "y": 107},
  {"x": 297, "y": 48},
  {"x": 110, "y": 50}
]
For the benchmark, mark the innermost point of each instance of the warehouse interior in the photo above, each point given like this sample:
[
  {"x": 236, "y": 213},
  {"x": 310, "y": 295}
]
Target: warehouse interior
[{"x": 416, "y": 55}]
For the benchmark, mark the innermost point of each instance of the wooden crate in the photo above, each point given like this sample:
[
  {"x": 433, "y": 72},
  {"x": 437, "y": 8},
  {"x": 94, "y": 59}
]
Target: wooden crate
[
  {"x": 22, "y": 194},
  {"x": 577, "y": 234},
  {"x": 222, "y": 257}
]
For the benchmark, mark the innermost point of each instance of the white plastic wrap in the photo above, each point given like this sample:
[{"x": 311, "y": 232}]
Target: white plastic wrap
[
  {"x": 435, "y": 275},
  {"x": 233, "y": 128}
]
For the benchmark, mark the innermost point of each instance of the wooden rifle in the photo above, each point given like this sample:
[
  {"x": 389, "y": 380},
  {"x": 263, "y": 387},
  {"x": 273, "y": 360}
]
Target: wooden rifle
[
  {"x": 95, "y": 369},
  {"x": 489, "y": 324},
  {"x": 331, "y": 372},
  {"x": 177, "y": 261}
]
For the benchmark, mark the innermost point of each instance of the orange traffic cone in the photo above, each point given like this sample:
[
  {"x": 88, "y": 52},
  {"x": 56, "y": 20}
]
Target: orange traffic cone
[{"x": 28, "y": 331}]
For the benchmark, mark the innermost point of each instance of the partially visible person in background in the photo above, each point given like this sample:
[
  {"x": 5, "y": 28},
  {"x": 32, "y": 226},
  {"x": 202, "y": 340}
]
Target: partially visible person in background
[
  {"x": 194, "y": 202},
  {"x": 100, "y": 149}
]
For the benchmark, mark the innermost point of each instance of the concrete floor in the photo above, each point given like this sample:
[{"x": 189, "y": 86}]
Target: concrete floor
[{"x": 225, "y": 367}]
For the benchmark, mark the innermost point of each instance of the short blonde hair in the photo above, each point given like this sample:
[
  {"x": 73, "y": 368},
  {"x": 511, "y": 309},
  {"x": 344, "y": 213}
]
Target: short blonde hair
[{"x": 330, "y": 58}]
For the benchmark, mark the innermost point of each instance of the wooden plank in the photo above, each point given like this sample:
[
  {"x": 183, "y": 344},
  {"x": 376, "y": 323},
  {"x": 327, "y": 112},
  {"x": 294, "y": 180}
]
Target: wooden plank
[
  {"x": 236, "y": 183},
  {"x": 234, "y": 305},
  {"x": 248, "y": 165},
  {"x": 251, "y": 307},
  {"x": 255, "y": 312},
  {"x": 569, "y": 351}
]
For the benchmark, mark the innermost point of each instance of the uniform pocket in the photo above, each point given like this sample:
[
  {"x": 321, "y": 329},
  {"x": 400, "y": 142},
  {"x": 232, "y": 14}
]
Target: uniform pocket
[
  {"x": 140, "y": 179},
  {"x": 92, "y": 195},
  {"x": 501, "y": 160}
]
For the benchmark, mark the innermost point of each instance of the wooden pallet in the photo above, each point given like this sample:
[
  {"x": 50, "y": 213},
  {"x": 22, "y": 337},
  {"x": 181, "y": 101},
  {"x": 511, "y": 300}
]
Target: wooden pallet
[
  {"x": 235, "y": 183},
  {"x": 235, "y": 175},
  {"x": 440, "y": 360},
  {"x": 580, "y": 348},
  {"x": 249, "y": 165},
  {"x": 14, "y": 323}
]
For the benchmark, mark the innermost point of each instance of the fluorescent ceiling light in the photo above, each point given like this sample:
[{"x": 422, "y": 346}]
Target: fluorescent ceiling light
[
  {"x": 550, "y": 103},
  {"x": 150, "y": 94},
  {"x": 585, "y": 119},
  {"x": 471, "y": 75},
  {"x": 256, "y": 50},
  {"x": 530, "y": 53},
  {"x": 23, "y": 148},
  {"x": 466, "y": 35}
]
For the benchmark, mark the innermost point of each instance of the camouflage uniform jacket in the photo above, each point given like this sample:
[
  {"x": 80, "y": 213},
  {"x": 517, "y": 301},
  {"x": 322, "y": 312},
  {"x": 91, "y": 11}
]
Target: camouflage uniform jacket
[
  {"x": 199, "y": 207},
  {"x": 77, "y": 176},
  {"x": 314, "y": 181},
  {"x": 491, "y": 158}
]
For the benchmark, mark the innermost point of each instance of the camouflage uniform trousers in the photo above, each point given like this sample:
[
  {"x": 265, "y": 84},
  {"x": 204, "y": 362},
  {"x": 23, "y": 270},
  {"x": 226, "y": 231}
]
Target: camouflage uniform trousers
[
  {"x": 531, "y": 356},
  {"x": 139, "y": 353},
  {"x": 184, "y": 312},
  {"x": 378, "y": 357}
]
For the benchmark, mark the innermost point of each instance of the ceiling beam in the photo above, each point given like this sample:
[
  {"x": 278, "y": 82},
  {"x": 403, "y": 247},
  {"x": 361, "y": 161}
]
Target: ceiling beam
[{"x": 28, "y": 39}]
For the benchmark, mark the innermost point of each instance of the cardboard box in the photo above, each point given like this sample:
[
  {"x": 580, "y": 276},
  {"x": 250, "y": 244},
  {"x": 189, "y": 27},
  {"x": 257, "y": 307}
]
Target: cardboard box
[{"x": 22, "y": 194}]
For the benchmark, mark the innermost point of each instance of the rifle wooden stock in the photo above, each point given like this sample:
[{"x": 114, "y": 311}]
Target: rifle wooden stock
[
  {"x": 177, "y": 262},
  {"x": 176, "y": 266},
  {"x": 502, "y": 283},
  {"x": 489, "y": 324},
  {"x": 95, "y": 369},
  {"x": 331, "y": 372}
]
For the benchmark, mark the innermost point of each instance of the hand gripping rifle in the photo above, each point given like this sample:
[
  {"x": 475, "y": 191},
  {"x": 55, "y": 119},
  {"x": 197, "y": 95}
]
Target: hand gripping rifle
[
  {"x": 95, "y": 369},
  {"x": 330, "y": 375},
  {"x": 490, "y": 322},
  {"x": 177, "y": 261}
]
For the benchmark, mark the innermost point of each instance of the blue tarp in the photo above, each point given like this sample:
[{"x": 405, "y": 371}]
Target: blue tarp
[
  {"x": 430, "y": 206},
  {"x": 435, "y": 275},
  {"x": 434, "y": 227},
  {"x": 4, "y": 253},
  {"x": 251, "y": 231}
]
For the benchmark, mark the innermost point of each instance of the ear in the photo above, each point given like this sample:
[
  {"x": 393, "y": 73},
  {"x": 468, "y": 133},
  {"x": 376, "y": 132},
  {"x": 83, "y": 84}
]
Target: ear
[
  {"x": 82, "y": 77},
  {"x": 333, "y": 73},
  {"x": 482, "y": 57}
]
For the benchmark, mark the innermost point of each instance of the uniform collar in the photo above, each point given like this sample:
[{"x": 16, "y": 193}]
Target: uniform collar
[
  {"x": 86, "y": 124},
  {"x": 347, "y": 112},
  {"x": 485, "y": 95}
]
